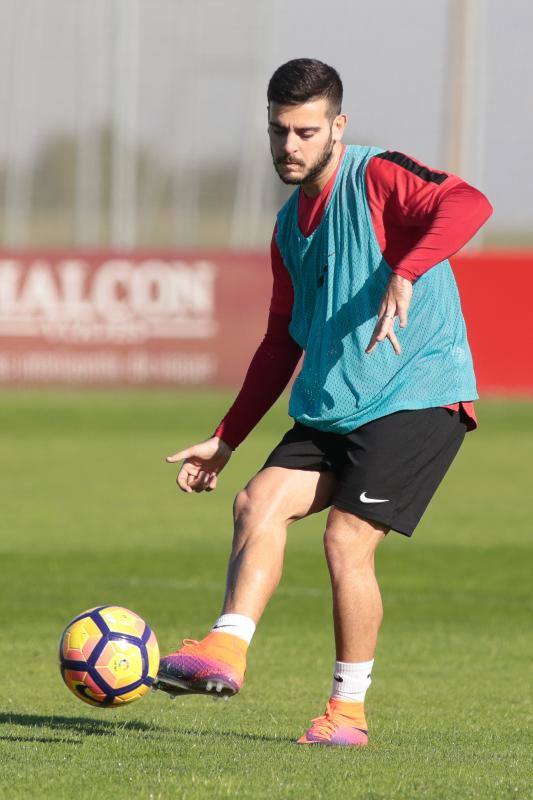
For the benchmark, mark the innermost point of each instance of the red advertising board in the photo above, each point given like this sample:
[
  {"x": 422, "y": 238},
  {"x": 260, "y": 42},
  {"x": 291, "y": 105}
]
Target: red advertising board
[
  {"x": 195, "y": 318},
  {"x": 130, "y": 319},
  {"x": 495, "y": 289}
]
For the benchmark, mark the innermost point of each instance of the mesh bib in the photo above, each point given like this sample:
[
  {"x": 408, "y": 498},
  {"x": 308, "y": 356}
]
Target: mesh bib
[{"x": 339, "y": 276}]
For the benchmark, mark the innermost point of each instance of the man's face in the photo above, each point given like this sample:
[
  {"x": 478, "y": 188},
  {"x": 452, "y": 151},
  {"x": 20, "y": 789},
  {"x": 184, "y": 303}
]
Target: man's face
[{"x": 302, "y": 139}]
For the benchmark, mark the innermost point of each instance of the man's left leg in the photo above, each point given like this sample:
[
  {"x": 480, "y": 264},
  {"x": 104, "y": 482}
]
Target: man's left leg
[
  {"x": 393, "y": 468},
  {"x": 350, "y": 543}
]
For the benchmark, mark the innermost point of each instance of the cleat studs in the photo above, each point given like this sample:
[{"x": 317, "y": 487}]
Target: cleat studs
[
  {"x": 209, "y": 686},
  {"x": 219, "y": 686}
]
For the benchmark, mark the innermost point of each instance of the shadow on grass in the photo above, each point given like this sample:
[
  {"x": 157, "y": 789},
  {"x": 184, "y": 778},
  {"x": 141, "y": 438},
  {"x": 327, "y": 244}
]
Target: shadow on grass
[
  {"x": 40, "y": 739},
  {"x": 83, "y": 726}
]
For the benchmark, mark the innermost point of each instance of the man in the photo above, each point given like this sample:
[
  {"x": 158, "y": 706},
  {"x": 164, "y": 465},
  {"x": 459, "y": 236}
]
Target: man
[{"x": 380, "y": 408}]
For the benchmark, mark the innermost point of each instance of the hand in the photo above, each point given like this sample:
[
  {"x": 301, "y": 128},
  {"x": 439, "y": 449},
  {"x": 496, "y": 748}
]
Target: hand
[
  {"x": 394, "y": 303},
  {"x": 202, "y": 464}
]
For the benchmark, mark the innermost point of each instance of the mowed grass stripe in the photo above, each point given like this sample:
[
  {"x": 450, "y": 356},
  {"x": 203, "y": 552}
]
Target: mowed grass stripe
[{"x": 90, "y": 515}]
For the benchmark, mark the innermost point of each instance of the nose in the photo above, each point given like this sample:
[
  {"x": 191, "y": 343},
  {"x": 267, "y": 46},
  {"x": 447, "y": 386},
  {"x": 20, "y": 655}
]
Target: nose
[{"x": 290, "y": 144}]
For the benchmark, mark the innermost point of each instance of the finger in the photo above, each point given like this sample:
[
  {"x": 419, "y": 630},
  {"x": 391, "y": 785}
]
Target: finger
[
  {"x": 187, "y": 473},
  {"x": 200, "y": 481},
  {"x": 384, "y": 326},
  {"x": 382, "y": 308},
  {"x": 388, "y": 315},
  {"x": 212, "y": 483},
  {"x": 402, "y": 314},
  {"x": 183, "y": 454},
  {"x": 394, "y": 341},
  {"x": 206, "y": 477},
  {"x": 371, "y": 345},
  {"x": 373, "y": 339},
  {"x": 182, "y": 482}
]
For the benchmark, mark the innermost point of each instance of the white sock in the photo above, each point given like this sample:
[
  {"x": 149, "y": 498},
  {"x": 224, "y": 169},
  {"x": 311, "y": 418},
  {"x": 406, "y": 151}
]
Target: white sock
[
  {"x": 350, "y": 681},
  {"x": 237, "y": 625}
]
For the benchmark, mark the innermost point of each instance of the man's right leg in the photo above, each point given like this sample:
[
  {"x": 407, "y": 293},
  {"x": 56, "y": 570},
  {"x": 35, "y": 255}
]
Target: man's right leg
[{"x": 272, "y": 500}]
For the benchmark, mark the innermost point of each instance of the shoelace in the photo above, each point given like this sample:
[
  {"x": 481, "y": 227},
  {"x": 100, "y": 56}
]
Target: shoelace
[
  {"x": 190, "y": 641},
  {"x": 324, "y": 725}
]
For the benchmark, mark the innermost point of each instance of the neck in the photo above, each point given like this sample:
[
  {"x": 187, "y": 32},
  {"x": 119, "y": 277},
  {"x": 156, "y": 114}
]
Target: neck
[{"x": 315, "y": 187}]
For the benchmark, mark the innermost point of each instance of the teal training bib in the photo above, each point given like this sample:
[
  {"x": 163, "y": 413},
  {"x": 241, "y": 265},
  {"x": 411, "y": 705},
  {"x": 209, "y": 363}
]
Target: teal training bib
[{"x": 339, "y": 276}]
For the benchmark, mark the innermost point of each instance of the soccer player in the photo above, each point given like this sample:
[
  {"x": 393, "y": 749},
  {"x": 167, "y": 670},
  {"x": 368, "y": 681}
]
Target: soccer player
[{"x": 362, "y": 287}]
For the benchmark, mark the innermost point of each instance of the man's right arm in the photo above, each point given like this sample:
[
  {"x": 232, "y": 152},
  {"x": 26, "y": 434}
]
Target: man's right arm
[
  {"x": 271, "y": 367},
  {"x": 269, "y": 373}
]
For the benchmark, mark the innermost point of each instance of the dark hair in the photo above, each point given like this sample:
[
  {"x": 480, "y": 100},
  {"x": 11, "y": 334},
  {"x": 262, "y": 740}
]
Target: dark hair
[{"x": 304, "y": 79}]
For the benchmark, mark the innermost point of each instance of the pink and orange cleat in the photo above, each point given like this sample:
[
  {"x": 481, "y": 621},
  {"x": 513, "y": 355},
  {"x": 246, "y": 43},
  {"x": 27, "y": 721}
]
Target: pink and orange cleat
[
  {"x": 214, "y": 666},
  {"x": 337, "y": 727}
]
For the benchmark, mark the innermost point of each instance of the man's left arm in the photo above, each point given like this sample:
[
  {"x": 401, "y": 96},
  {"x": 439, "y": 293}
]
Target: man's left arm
[{"x": 421, "y": 217}]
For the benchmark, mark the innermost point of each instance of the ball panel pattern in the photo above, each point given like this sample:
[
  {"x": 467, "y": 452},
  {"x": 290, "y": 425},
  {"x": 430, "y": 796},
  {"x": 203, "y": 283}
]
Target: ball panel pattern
[
  {"x": 109, "y": 656},
  {"x": 152, "y": 650},
  {"x": 122, "y": 620},
  {"x": 133, "y": 694},
  {"x": 83, "y": 686},
  {"x": 80, "y": 639},
  {"x": 120, "y": 663}
]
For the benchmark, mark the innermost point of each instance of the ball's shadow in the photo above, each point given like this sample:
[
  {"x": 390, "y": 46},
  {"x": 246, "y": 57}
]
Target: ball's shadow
[
  {"x": 72, "y": 730},
  {"x": 77, "y": 727}
]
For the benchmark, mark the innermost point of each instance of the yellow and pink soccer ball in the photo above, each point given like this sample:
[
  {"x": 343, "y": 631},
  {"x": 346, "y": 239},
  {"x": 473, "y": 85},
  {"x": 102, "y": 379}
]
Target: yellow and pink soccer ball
[{"x": 108, "y": 656}]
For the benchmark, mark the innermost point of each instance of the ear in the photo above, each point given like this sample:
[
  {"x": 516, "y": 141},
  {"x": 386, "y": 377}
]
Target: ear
[{"x": 337, "y": 129}]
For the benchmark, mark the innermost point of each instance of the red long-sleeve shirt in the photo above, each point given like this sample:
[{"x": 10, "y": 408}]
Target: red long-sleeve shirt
[{"x": 420, "y": 217}]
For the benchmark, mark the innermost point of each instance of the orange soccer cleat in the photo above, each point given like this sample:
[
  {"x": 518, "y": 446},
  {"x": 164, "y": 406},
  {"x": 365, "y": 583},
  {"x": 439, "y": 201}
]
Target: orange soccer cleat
[
  {"x": 215, "y": 666},
  {"x": 343, "y": 724}
]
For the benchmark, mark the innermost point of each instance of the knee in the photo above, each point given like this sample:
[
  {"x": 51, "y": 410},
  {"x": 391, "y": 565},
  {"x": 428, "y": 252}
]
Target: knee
[
  {"x": 351, "y": 544},
  {"x": 340, "y": 545},
  {"x": 241, "y": 505},
  {"x": 255, "y": 517},
  {"x": 248, "y": 514},
  {"x": 255, "y": 506}
]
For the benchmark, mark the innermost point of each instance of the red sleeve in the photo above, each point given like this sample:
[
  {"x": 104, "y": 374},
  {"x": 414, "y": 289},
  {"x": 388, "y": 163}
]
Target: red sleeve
[
  {"x": 271, "y": 367},
  {"x": 420, "y": 216},
  {"x": 282, "y": 289}
]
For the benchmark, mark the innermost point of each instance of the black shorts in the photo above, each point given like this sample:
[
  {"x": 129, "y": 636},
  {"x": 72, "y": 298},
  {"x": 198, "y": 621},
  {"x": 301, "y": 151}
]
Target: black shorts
[{"x": 388, "y": 470}]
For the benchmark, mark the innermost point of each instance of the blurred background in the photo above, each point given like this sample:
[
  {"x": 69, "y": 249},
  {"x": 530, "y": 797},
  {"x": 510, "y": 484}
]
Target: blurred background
[
  {"x": 137, "y": 194},
  {"x": 137, "y": 202},
  {"x": 130, "y": 123}
]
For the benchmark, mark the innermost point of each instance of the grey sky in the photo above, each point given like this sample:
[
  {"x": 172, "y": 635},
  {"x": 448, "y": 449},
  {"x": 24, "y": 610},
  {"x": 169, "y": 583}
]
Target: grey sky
[{"x": 203, "y": 66}]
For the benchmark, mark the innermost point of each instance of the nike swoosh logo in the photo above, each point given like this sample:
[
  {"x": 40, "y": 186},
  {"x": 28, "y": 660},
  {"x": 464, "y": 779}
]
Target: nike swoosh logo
[
  {"x": 364, "y": 499},
  {"x": 338, "y": 678}
]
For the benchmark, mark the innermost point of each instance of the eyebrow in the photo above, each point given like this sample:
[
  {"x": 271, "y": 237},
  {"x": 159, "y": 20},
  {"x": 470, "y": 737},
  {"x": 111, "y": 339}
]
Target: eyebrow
[{"x": 298, "y": 130}]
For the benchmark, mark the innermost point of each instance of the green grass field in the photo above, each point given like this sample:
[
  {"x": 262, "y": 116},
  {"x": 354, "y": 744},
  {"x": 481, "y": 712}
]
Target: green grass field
[{"x": 90, "y": 515}]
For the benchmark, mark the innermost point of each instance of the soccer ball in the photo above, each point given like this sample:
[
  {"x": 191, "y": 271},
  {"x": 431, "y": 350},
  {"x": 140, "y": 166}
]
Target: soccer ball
[{"x": 108, "y": 656}]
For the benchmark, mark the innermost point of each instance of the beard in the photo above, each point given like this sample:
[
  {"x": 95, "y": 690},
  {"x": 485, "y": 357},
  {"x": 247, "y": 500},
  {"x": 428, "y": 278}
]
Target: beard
[{"x": 321, "y": 162}]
